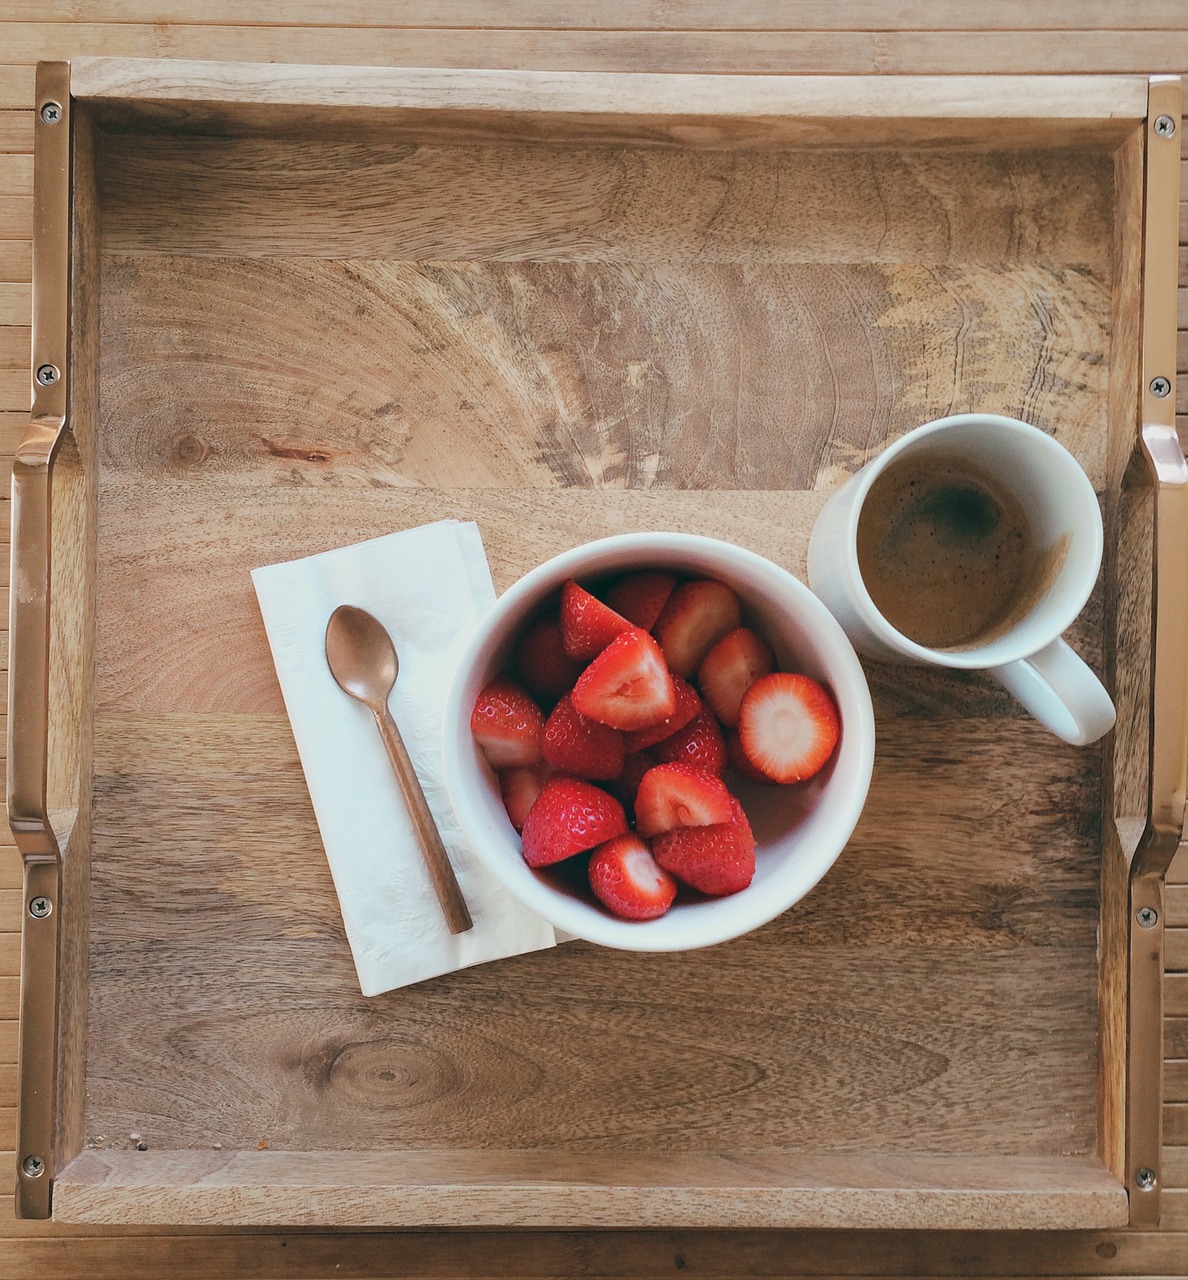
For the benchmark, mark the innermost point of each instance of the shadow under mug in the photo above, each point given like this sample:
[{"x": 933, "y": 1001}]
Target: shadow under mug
[{"x": 1027, "y": 656}]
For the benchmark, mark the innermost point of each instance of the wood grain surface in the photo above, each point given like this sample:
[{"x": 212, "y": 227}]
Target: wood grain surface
[
  {"x": 244, "y": 98},
  {"x": 639, "y": 1051},
  {"x": 72, "y": 651},
  {"x": 520, "y": 1188},
  {"x": 848, "y": 35},
  {"x": 721, "y": 375},
  {"x": 1128, "y": 520},
  {"x": 345, "y": 199}
]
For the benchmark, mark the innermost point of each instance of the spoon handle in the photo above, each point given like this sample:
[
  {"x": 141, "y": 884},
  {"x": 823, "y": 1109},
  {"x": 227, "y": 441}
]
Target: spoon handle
[{"x": 436, "y": 859}]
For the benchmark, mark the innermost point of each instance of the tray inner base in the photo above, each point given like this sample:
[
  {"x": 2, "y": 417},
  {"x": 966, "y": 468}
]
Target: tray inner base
[{"x": 310, "y": 344}]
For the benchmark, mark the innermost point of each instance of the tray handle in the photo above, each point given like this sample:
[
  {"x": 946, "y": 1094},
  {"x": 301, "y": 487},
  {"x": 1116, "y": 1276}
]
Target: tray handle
[
  {"x": 29, "y": 645},
  {"x": 1164, "y": 834},
  {"x": 28, "y": 660},
  {"x": 29, "y": 618}
]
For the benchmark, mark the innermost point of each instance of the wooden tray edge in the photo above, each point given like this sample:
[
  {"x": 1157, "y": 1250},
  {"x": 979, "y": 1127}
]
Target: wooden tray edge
[{"x": 554, "y": 1189}]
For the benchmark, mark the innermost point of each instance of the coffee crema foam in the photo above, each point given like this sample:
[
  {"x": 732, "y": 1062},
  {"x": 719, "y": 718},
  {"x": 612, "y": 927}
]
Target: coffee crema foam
[{"x": 947, "y": 553}]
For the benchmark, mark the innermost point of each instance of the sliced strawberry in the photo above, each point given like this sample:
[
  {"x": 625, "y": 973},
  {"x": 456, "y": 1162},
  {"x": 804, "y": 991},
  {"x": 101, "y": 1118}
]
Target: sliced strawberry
[
  {"x": 688, "y": 704},
  {"x": 736, "y": 759},
  {"x": 541, "y": 661},
  {"x": 788, "y": 726},
  {"x": 696, "y": 616},
  {"x": 679, "y": 795},
  {"x": 570, "y": 816},
  {"x": 699, "y": 743},
  {"x": 729, "y": 670},
  {"x": 573, "y": 743},
  {"x": 507, "y": 724},
  {"x": 640, "y": 597},
  {"x": 520, "y": 787},
  {"x": 627, "y": 686},
  {"x": 635, "y": 765},
  {"x": 716, "y": 860},
  {"x": 587, "y": 625},
  {"x": 626, "y": 879}
]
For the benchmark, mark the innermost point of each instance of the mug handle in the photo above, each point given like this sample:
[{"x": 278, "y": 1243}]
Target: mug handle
[{"x": 1061, "y": 692}]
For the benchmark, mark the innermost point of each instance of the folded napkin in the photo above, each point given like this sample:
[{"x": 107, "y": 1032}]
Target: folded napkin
[{"x": 429, "y": 587}]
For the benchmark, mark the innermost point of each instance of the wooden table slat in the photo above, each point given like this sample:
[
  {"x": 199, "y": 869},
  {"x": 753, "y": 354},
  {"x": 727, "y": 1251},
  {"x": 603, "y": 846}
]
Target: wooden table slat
[
  {"x": 816, "y": 52},
  {"x": 16, "y": 266},
  {"x": 631, "y": 15}
]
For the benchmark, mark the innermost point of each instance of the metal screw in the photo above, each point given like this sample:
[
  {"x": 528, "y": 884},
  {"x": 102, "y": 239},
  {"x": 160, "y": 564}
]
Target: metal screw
[
  {"x": 1160, "y": 387},
  {"x": 39, "y": 908},
  {"x": 47, "y": 375},
  {"x": 1145, "y": 1179},
  {"x": 34, "y": 1166},
  {"x": 51, "y": 113},
  {"x": 1147, "y": 917},
  {"x": 1165, "y": 126}
]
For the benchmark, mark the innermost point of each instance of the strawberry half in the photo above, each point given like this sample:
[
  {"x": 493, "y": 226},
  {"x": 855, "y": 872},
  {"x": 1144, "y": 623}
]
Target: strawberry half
[
  {"x": 695, "y": 617},
  {"x": 729, "y": 670},
  {"x": 570, "y": 816},
  {"x": 626, "y": 879},
  {"x": 507, "y": 724},
  {"x": 688, "y": 704},
  {"x": 679, "y": 795},
  {"x": 519, "y": 788},
  {"x": 587, "y": 625},
  {"x": 627, "y": 686},
  {"x": 573, "y": 743},
  {"x": 788, "y": 726},
  {"x": 699, "y": 743},
  {"x": 640, "y": 597},
  {"x": 716, "y": 860},
  {"x": 541, "y": 661}
]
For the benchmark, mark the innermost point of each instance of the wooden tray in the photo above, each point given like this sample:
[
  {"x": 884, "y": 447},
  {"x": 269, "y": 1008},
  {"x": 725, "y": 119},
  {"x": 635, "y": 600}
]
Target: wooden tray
[{"x": 308, "y": 305}]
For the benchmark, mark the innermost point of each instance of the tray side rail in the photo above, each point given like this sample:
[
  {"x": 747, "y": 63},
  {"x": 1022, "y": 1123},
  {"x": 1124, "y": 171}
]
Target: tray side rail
[
  {"x": 29, "y": 659},
  {"x": 1164, "y": 834}
]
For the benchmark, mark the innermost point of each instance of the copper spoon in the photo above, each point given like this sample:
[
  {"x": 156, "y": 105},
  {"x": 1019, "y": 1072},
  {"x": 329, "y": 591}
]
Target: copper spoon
[{"x": 362, "y": 659}]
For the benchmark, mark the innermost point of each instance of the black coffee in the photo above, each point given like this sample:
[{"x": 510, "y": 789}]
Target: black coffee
[{"x": 945, "y": 552}]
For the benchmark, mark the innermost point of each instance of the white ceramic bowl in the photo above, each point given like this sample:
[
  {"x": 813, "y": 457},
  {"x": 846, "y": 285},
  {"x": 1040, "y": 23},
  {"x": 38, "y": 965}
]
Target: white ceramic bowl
[{"x": 799, "y": 830}]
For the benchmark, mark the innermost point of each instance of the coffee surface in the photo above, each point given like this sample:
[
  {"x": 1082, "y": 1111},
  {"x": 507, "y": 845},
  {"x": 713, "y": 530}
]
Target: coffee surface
[{"x": 945, "y": 552}]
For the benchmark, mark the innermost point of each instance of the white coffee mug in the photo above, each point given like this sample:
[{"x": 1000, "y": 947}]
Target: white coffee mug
[{"x": 1027, "y": 655}]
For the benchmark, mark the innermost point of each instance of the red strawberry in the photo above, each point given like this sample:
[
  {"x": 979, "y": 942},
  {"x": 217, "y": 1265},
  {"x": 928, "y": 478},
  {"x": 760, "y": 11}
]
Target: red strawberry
[
  {"x": 507, "y": 724},
  {"x": 640, "y": 597},
  {"x": 541, "y": 661},
  {"x": 519, "y": 788},
  {"x": 570, "y": 816},
  {"x": 627, "y": 783},
  {"x": 696, "y": 616},
  {"x": 688, "y": 704},
  {"x": 736, "y": 759},
  {"x": 627, "y": 686},
  {"x": 716, "y": 860},
  {"x": 679, "y": 795},
  {"x": 573, "y": 743},
  {"x": 729, "y": 670},
  {"x": 626, "y": 879},
  {"x": 587, "y": 625},
  {"x": 699, "y": 743},
  {"x": 788, "y": 726}
]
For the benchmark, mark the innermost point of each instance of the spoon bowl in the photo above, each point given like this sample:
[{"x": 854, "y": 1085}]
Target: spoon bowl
[{"x": 361, "y": 655}]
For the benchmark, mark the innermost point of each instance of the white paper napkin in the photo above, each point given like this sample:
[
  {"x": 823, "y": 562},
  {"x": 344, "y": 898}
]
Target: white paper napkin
[{"x": 429, "y": 587}]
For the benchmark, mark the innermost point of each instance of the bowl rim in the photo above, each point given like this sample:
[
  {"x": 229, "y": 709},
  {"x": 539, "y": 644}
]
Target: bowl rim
[{"x": 493, "y": 630}]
